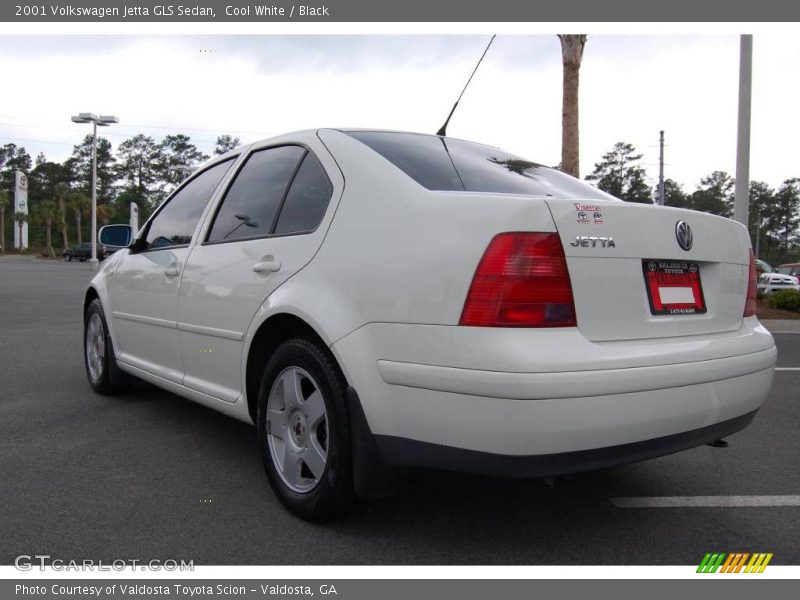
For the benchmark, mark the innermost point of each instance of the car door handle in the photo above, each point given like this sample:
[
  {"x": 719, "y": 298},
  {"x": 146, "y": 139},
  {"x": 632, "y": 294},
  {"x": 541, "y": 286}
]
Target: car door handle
[
  {"x": 267, "y": 266},
  {"x": 172, "y": 271}
]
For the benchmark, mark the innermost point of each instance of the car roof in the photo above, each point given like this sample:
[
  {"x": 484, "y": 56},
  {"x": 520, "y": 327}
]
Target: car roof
[{"x": 305, "y": 133}]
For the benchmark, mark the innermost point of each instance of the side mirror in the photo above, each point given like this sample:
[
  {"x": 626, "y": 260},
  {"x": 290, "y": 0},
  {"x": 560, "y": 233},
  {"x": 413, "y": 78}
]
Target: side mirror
[{"x": 116, "y": 236}]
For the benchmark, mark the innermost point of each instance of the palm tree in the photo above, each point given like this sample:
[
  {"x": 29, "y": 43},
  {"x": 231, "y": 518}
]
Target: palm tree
[
  {"x": 103, "y": 213},
  {"x": 5, "y": 200},
  {"x": 571, "y": 56},
  {"x": 44, "y": 214},
  {"x": 78, "y": 203},
  {"x": 21, "y": 218},
  {"x": 61, "y": 192}
]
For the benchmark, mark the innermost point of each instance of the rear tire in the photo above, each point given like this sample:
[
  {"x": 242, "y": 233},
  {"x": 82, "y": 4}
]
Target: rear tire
[
  {"x": 304, "y": 431},
  {"x": 102, "y": 371}
]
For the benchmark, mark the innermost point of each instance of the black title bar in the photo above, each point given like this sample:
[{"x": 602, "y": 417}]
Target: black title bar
[{"x": 336, "y": 11}]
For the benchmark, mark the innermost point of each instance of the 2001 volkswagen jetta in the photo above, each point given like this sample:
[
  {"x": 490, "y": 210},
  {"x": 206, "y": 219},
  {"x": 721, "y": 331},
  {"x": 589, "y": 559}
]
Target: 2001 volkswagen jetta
[{"x": 374, "y": 300}]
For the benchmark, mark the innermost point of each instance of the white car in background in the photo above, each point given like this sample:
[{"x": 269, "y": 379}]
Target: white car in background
[
  {"x": 377, "y": 300},
  {"x": 774, "y": 282}
]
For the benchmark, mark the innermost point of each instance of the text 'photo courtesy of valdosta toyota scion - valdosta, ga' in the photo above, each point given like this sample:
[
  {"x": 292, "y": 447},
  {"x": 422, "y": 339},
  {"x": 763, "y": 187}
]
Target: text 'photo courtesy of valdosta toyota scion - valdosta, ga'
[
  {"x": 379, "y": 300},
  {"x": 181, "y": 590},
  {"x": 169, "y": 10}
]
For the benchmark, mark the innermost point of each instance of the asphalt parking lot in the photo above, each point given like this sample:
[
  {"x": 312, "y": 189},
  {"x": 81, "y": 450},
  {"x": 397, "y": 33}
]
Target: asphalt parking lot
[{"x": 148, "y": 475}]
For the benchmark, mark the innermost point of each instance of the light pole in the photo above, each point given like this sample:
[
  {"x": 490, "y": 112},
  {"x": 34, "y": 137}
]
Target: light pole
[
  {"x": 741, "y": 205},
  {"x": 102, "y": 121}
]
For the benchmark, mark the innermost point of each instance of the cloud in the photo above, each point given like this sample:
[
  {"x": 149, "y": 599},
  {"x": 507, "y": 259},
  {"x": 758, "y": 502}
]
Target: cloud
[{"x": 257, "y": 86}]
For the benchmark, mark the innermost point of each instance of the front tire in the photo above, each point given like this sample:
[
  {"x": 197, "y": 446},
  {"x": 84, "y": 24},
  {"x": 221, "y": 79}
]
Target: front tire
[
  {"x": 304, "y": 430},
  {"x": 98, "y": 354}
]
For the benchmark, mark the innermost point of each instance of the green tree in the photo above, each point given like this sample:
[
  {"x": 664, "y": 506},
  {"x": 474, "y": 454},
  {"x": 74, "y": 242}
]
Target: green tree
[
  {"x": 45, "y": 177},
  {"x": 225, "y": 143},
  {"x": 44, "y": 213},
  {"x": 78, "y": 203},
  {"x": 138, "y": 168},
  {"x": 762, "y": 201},
  {"x": 620, "y": 174},
  {"x": 674, "y": 195},
  {"x": 80, "y": 166},
  {"x": 715, "y": 194},
  {"x": 60, "y": 193},
  {"x": 5, "y": 200},
  {"x": 571, "y": 56},
  {"x": 784, "y": 220},
  {"x": 20, "y": 218},
  {"x": 178, "y": 156},
  {"x": 13, "y": 158}
]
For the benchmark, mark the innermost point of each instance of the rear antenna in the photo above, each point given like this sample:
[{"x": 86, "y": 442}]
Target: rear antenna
[{"x": 443, "y": 130}]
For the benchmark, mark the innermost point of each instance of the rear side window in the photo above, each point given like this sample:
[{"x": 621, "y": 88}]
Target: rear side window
[
  {"x": 440, "y": 163},
  {"x": 175, "y": 223},
  {"x": 254, "y": 198},
  {"x": 307, "y": 199}
]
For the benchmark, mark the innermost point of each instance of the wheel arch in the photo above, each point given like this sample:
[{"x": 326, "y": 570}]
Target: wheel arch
[
  {"x": 88, "y": 297},
  {"x": 270, "y": 334}
]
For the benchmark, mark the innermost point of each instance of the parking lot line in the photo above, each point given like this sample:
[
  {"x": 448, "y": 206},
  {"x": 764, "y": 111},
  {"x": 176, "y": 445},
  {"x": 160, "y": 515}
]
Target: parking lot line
[{"x": 704, "y": 501}]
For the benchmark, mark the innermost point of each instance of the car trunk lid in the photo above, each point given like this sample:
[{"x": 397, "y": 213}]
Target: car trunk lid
[{"x": 611, "y": 246}]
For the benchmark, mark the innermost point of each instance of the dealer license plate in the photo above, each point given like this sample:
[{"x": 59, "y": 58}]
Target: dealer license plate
[{"x": 673, "y": 287}]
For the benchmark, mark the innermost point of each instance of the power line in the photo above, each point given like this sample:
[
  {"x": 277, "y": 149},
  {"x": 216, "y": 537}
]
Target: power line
[{"x": 134, "y": 126}]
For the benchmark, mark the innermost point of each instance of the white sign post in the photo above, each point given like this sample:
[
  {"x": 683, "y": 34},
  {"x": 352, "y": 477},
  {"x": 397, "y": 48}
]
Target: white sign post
[
  {"x": 20, "y": 205},
  {"x": 134, "y": 218}
]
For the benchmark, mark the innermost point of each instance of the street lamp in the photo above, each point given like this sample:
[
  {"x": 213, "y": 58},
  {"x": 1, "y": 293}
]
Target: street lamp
[{"x": 102, "y": 121}]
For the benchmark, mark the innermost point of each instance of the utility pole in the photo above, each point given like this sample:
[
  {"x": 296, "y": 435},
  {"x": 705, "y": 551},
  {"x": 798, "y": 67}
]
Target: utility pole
[
  {"x": 660, "y": 198},
  {"x": 758, "y": 231},
  {"x": 741, "y": 204}
]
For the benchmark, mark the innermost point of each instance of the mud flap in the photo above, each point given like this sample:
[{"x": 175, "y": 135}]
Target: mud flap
[{"x": 372, "y": 477}]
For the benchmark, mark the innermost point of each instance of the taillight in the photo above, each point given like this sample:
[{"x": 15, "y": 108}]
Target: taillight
[
  {"x": 521, "y": 281},
  {"x": 752, "y": 283}
]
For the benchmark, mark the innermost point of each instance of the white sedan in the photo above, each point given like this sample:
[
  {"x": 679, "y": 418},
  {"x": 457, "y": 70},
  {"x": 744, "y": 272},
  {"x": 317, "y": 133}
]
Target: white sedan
[{"x": 376, "y": 300}]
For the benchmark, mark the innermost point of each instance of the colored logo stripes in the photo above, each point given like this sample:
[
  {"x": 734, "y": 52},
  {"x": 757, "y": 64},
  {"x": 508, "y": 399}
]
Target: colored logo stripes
[{"x": 734, "y": 562}]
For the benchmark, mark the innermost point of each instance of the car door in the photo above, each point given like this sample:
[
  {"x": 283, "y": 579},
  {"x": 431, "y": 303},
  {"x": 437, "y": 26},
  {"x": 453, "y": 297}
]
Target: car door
[
  {"x": 144, "y": 286},
  {"x": 267, "y": 226}
]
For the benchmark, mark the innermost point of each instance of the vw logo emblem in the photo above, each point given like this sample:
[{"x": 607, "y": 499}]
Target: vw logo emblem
[{"x": 683, "y": 233}]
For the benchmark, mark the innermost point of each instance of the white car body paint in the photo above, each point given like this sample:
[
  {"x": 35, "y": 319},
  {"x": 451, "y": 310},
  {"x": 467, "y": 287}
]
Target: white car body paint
[{"x": 383, "y": 280}]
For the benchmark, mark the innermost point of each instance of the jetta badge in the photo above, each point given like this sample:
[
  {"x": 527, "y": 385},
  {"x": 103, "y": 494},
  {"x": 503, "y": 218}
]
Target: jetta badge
[
  {"x": 683, "y": 233},
  {"x": 593, "y": 241}
]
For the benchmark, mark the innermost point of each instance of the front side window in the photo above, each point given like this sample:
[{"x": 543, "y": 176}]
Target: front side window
[
  {"x": 175, "y": 223},
  {"x": 254, "y": 198}
]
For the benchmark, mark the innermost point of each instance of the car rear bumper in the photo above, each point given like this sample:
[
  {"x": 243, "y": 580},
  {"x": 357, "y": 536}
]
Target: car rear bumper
[
  {"x": 403, "y": 452},
  {"x": 558, "y": 396}
]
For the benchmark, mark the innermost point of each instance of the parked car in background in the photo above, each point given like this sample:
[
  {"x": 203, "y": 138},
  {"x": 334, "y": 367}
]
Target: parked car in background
[
  {"x": 763, "y": 266},
  {"x": 451, "y": 307},
  {"x": 83, "y": 252},
  {"x": 773, "y": 282},
  {"x": 792, "y": 269}
]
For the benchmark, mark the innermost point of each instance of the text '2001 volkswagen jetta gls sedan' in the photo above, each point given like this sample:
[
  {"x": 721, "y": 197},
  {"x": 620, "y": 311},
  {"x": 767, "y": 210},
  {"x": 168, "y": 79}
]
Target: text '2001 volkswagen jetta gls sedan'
[{"x": 374, "y": 300}]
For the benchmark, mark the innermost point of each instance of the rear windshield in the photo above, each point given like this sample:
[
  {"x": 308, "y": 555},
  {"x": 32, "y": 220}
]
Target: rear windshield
[{"x": 440, "y": 163}]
